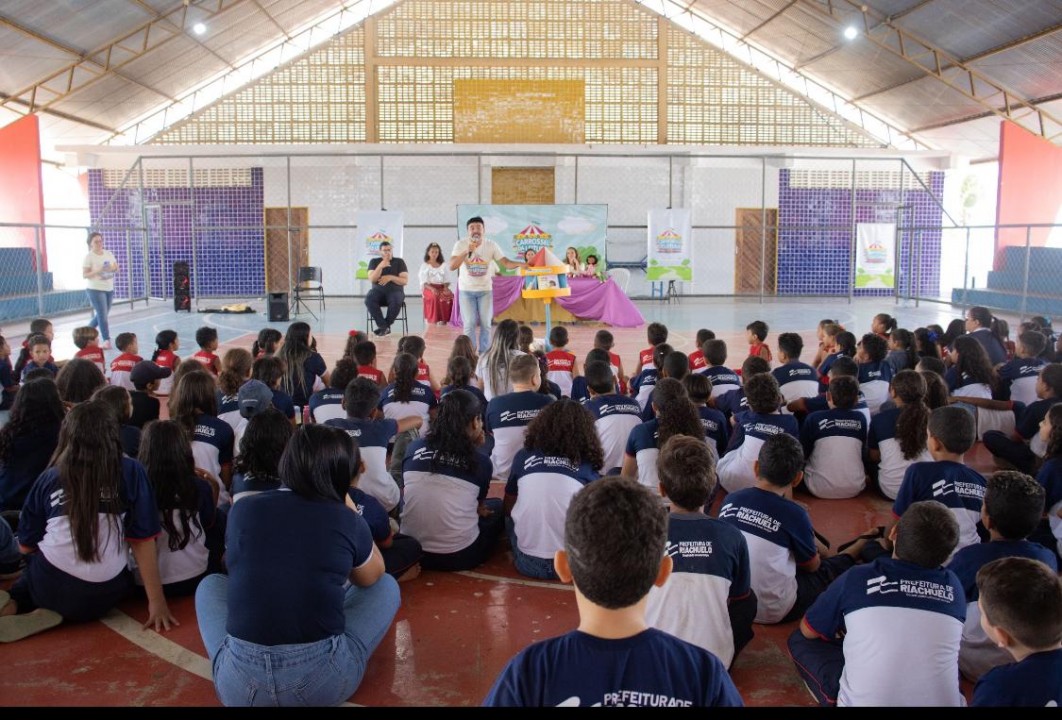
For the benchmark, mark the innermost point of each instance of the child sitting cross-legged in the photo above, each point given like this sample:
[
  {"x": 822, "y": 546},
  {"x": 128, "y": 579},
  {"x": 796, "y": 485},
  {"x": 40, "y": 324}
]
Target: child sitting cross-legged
[
  {"x": 614, "y": 538},
  {"x": 833, "y": 443},
  {"x": 751, "y": 429},
  {"x": 1021, "y": 611}
]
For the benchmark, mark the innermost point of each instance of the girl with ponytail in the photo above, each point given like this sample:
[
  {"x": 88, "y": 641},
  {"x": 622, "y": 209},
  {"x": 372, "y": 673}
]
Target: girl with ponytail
[{"x": 897, "y": 437}]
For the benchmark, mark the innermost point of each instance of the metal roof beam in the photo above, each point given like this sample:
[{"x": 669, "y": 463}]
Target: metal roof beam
[
  {"x": 936, "y": 63},
  {"x": 155, "y": 13},
  {"x": 106, "y": 60},
  {"x": 785, "y": 7},
  {"x": 56, "y": 113}
]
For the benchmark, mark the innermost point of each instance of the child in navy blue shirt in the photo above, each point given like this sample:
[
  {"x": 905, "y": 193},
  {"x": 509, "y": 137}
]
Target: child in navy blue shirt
[
  {"x": 642, "y": 384},
  {"x": 903, "y": 613},
  {"x": 874, "y": 372},
  {"x": 1021, "y": 610},
  {"x": 750, "y": 430},
  {"x": 716, "y": 427},
  {"x": 614, "y": 541},
  {"x": 1017, "y": 377},
  {"x": 795, "y": 379},
  {"x": 40, "y": 353},
  {"x": 833, "y": 443},
  {"x": 788, "y": 566},
  {"x": 1049, "y": 534},
  {"x": 327, "y": 404},
  {"x": 1013, "y": 506},
  {"x": 732, "y": 402},
  {"x": 723, "y": 378},
  {"x": 674, "y": 365},
  {"x": 1024, "y": 448},
  {"x": 615, "y": 415},
  {"x": 8, "y": 381},
  {"x": 708, "y": 600}
]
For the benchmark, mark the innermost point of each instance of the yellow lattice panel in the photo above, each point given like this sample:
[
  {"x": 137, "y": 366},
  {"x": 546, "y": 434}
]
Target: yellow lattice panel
[{"x": 519, "y": 111}]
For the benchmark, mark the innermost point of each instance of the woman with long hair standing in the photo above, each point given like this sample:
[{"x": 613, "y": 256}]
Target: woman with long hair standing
[
  {"x": 561, "y": 454},
  {"x": 81, "y": 518},
  {"x": 446, "y": 482},
  {"x": 435, "y": 285},
  {"x": 305, "y": 366},
  {"x": 306, "y": 600},
  {"x": 493, "y": 366}
]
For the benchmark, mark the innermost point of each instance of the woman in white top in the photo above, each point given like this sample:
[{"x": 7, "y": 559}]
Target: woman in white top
[
  {"x": 435, "y": 286},
  {"x": 493, "y": 366},
  {"x": 99, "y": 268},
  {"x": 571, "y": 259}
]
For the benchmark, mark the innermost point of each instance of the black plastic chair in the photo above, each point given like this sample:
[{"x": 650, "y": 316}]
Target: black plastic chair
[
  {"x": 402, "y": 318},
  {"x": 311, "y": 284}
]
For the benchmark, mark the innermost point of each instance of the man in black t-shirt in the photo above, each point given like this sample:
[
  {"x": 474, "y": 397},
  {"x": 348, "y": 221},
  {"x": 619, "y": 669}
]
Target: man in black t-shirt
[{"x": 388, "y": 276}]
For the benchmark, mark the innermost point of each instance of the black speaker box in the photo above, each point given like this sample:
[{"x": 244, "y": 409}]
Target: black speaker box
[
  {"x": 277, "y": 302},
  {"x": 182, "y": 287}
]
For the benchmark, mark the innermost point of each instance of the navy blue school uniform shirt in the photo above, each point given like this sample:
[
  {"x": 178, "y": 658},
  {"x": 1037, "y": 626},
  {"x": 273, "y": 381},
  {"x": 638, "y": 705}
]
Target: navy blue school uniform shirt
[
  {"x": 898, "y": 360},
  {"x": 330, "y": 539},
  {"x": 145, "y": 408},
  {"x": 802, "y": 377},
  {"x": 959, "y": 488},
  {"x": 27, "y": 457},
  {"x": 874, "y": 378},
  {"x": 31, "y": 366},
  {"x": 251, "y": 483},
  {"x": 824, "y": 369},
  {"x": 580, "y": 392},
  {"x": 1050, "y": 476},
  {"x": 283, "y": 402},
  {"x": 722, "y": 377},
  {"x": 820, "y": 403},
  {"x": 372, "y": 511},
  {"x": 312, "y": 368},
  {"x": 650, "y": 669},
  {"x": 1017, "y": 379},
  {"x": 327, "y": 404},
  {"x": 992, "y": 345},
  {"x": 732, "y": 402},
  {"x": 716, "y": 428},
  {"x": 642, "y": 386},
  {"x": 1029, "y": 423},
  {"x": 8, "y": 382},
  {"x": 900, "y": 616},
  {"x": 1036, "y": 681},
  {"x": 447, "y": 389},
  {"x": 373, "y": 437}
]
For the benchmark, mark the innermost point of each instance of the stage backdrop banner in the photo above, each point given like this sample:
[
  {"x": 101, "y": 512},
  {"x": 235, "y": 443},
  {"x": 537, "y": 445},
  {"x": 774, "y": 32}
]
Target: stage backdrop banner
[
  {"x": 669, "y": 246},
  {"x": 375, "y": 227},
  {"x": 519, "y": 228},
  {"x": 875, "y": 255}
]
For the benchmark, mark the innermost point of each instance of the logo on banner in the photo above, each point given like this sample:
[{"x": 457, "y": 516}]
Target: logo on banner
[
  {"x": 669, "y": 242},
  {"x": 531, "y": 237},
  {"x": 875, "y": 254},
  {"x": 374, "y": 241}
]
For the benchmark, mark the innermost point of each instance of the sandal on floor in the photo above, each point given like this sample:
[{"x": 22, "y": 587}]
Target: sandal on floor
[
  {"x": 16, "y": 627},
  {"x": 878, "y": 532}
]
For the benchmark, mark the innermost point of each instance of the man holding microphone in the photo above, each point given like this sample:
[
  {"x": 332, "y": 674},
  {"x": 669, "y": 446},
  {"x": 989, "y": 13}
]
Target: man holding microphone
[
  {"x": 475, "y": 256},
  {"x": 388, "y": 275}
]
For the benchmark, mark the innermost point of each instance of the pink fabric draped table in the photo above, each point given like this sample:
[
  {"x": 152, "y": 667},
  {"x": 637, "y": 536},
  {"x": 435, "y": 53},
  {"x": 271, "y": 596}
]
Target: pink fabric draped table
[{"x": 591, "y": 299}]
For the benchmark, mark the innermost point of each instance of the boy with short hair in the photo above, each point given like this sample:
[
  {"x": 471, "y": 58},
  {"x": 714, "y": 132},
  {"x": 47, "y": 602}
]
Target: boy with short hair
[
  {"x": 122, "y": 365},
  {"x": 561, "y": 365},
  {"x": 365, "y": 357},
  {"x": 788, "y": 566},
  {"x": 1021, "y": 611},
  {"x": 697, "y": 362},
  {"x": 615, "y": 415},
  {"x": 675, "y": 365},
  {"x": 1025, "y": 448},
  {"x": 145, "y": 377},
  {"x": 509, "y": 415},
  {"x": 1013, "y": 506},
  {"x": 1017, "y": 378},
  {"x": 959, "y": 488},
  {"x": 87, "y": 342},
  {"x": 615, "y": 534},
  {"x": 372, "y": 432},
  {"x": 751, "y": 429},
  {"x": 707, "y": 600},
  {"x": 733, "y": 402},
  {"x": 603, "y": 340},
  {"x": 887, "y": 633},
  {"x": 756, "y": 334},
  {"x": 207, "y": 339},
  {"x": 327, "y": 404},
  {"x": 841, "y": 367},
  {"x": 716, "y": 428},
  {"x": 643, "y": 383},
  {"x": 580, "y": 386},
  {"x": 723, "y": 378},
  {"x": 795, "y": 379},
  {"x": 38, "y": 326},
  {"x": 874, "y": 373},
  {"x": 833, "y": 443},
  {"x": 40, "y": 356},
  {"x": 656, "y": 334}
]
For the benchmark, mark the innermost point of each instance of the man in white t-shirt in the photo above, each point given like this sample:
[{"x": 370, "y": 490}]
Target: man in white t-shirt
[{"x": 474, "y": 257}]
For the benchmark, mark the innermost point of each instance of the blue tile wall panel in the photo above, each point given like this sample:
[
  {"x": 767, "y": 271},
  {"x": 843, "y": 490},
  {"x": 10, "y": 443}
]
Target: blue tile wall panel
[
  {"x": 815, "y": 261},
  {"x": 224, "y": 224}
]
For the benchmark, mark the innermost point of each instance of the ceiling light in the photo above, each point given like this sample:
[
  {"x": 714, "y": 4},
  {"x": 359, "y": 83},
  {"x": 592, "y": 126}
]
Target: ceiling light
[
  {"x": 850, "y": 32},
  {"x": 199, "y": 28}
]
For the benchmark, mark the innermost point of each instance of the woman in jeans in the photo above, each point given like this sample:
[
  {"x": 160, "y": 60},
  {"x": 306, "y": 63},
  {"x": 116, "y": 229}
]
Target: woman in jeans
[
  {"x": 99, "y": 268},
  {"x": 281, "y": 630}
]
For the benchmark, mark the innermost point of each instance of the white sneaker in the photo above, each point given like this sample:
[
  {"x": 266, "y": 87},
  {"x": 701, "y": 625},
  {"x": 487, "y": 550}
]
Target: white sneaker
[{"x": 106, "y": 345}]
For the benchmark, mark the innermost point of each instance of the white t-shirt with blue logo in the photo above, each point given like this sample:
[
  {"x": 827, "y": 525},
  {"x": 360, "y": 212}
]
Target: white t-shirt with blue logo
[
  {"x": 421, "y": 401},
  {"x": 723, "y": 379},
  {"x": 833, "y": 443},
  {"x": 615, "y": 416},
  {"x": 1017, "y": 379},
  {"x": 874, "y": 379},
  {"x": 751, "y": 430},
  {"x": 893, "y": 465},
  {"x": 372, "y": 437},
  {"x": 507, "y": 419},
  {"x": 796, "y": 380},
  {"x": 327, "y": 405},
  {"x": 543, "y": 486}
]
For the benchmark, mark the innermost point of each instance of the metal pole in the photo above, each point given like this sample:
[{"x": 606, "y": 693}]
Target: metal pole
[
  {"x": 129, "y": 269},
  {"x": 382, "y": 205},
  {"x": 287, "y": 233},
  {"x": 40, "y": 272},
  {"x": 918, "y": 269},
  {"x": 1025, "y": 281},
  {"x": 479, "y": 179},
  {"x": 195, "y": 255},
  {"x": 966, "y": 274},
  {"x": 575, "y": 194},
  {"x": 763, "y": 226},
  {"x": 852, "y": 247},
  {"x": 899, "y": 240},
  {"x": 147, "y": 234}
]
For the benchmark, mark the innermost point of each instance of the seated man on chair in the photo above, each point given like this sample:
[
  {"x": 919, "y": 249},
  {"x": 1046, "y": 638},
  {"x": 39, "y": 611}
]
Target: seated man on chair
[{"x": 388, "y": 276}]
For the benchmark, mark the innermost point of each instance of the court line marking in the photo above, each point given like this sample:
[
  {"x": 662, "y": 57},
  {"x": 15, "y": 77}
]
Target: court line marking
[{"x": 514, "y": 581}]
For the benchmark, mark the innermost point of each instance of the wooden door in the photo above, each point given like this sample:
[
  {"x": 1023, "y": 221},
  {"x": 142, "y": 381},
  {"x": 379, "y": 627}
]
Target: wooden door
[
  {"x": 751, "y": 259},
  {"x": 278, "y": 259},
  {"x": 522, "y": 186}
]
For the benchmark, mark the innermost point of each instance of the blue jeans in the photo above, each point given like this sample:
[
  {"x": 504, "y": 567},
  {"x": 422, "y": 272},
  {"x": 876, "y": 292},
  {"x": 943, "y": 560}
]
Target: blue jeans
[
  {"x": 323, "y": 672},
  {"x": 101, "y": 301},
  {"x": 477, "y": 308},
  {"x": 529, "y": 565}
]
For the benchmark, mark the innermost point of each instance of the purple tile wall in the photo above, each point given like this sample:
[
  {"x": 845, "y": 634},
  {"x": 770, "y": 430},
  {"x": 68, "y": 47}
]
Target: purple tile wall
[
  {"x": 816, "y": 261},
  {"x": 225, "y": 222}
]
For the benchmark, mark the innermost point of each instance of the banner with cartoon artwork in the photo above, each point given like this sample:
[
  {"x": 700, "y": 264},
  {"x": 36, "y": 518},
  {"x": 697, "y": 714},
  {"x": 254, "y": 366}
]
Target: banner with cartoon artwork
[
  {"x": 669, "y": 246},
  {"x": 523, "y": 230},
  {"x": 875, "y": 255},
  {"x": 375, "y": 227}
]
